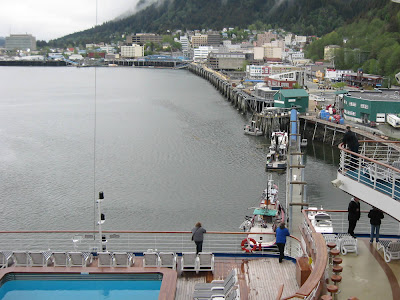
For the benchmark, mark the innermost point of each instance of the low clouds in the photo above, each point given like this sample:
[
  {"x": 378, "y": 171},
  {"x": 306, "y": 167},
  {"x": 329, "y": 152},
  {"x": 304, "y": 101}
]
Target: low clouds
[{"x": 47, "y": 19}]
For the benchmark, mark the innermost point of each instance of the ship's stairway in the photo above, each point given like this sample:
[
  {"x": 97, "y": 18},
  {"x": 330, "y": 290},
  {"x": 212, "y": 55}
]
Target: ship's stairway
[{"x": 372, "y": 175}]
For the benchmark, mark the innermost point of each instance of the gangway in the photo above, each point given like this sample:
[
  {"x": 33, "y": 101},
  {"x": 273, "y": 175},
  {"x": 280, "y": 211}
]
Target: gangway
[
  {"x": 373, "y": 175},
  {"x": 71, "y": 62}
]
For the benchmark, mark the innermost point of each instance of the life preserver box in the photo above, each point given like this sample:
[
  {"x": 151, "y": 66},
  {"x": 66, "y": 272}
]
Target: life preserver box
[{"x": 249, "y": 244}]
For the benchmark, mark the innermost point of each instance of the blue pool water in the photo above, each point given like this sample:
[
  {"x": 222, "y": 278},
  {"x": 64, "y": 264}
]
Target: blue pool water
[{"x": 80, "y": 290}]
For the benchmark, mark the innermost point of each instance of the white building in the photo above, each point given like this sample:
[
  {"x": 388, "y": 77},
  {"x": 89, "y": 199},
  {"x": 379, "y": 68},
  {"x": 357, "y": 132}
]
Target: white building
[
  {"x": 258, "y": 53},
  {"x": 132, "y": 51},
  {"x": 335, "y": 75},
  {"x": 75, "y": 57},
  {"x": 201, "y": 53},
  {"x": 185, "y": 43},
  {"x": 107, "y": 49}
]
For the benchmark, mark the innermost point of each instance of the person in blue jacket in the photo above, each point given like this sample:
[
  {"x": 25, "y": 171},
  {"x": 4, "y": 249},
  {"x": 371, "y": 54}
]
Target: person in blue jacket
[{"x": 281, "y": 233}]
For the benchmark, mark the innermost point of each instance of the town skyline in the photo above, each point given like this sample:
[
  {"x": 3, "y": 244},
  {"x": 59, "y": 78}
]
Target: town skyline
[{"x": 46, "y": 20}]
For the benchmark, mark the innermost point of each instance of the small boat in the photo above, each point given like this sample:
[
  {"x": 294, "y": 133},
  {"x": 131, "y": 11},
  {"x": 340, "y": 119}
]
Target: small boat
[
  {"x": 265, "y": 219},
  {"x": 252, "y": 129},
  {"x": 303, "y": 143},
  {"x": 277, "y": 156},
  {"x": 320, "y": 220}
]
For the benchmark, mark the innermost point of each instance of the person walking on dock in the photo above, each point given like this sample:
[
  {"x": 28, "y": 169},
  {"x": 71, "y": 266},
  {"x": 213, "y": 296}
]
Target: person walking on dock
[
  {"x": 198, "y": 236},
  {"x": 281, "y": 233},
  {"x": 375, "y": 215},
  {"x": 351, "y": 141},
  {"x": 353, "y": 215}
]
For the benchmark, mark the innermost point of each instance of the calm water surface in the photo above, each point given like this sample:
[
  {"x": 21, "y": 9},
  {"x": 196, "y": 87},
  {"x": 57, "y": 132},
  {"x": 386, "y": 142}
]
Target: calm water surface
[{"x": 165, "y": 147}]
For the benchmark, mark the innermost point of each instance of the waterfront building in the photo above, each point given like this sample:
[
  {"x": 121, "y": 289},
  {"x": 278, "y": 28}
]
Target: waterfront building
[
  {"x": 360, "y": 79},
  {"x": 20, "y": 42},
  {"x": 143, "y": 38},
  {"x": 226, "y": 61},
  {"x": 292, "y": 98},
  {"x": 336, "y": 75},
  {"x": 367, "y": 106},
  {"x": 260, "y": 72},
  {"x": 201, "y": 53},
  {"x": 132, "y": 51}
]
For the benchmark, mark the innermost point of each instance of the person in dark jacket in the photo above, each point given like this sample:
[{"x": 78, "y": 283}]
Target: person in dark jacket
[
  {"x": 351, "y": 141},
  {"x": 198, "y": 236},
  {"x": 354, "y": 215},
  {"x": 375, "y": 215},
  {"x": 281, "y": 233}
]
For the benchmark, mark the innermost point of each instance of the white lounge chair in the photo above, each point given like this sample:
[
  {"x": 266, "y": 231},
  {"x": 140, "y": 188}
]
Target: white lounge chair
[
  {"x": 234, "y": 294},
  {"x": 80, "y": 259},
  {"x": 189, "y": 262},
  {"x": 5, "y": 259},
  {"x": 168, "y": 260},
  {"x": 218, "y": 284},
  {"x": 123, "y": 259},
  {"x": 206, "y": 261},
  {"x": 39, "y": 258},
  {"x": 60, "y": 259},
  {"x": 331, "y": 238},
  {"x": 348, "y": 245},
  {"x": 105, "y": 259},
  {"x": 151, "y": 259},
  {"x": 391, "y": 249},
  {"x": 217, "y": 292},
  {"x": 21, "y": 259}
]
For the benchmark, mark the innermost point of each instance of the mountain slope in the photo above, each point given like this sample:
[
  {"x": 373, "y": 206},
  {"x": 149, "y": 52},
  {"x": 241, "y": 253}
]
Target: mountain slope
[{"x": 311, "y": 17}]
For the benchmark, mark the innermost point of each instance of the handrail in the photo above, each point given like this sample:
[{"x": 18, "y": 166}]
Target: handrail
[{"x": 318, "y": 272}]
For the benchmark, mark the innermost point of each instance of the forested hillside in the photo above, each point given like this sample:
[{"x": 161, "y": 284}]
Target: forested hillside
[
  {"x": 372, "y": 42},
  {"x": 306, "y": 17}
]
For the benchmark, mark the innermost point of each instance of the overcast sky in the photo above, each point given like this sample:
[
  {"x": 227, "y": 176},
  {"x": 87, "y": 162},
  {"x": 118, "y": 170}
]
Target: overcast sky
[{"x": 49, "y": 19}]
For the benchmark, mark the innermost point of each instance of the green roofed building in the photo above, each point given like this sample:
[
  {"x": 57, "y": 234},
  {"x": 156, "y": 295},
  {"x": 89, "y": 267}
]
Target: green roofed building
[
  {"x": 367, "y": 106},
  {"x": 294, "y": 98}
]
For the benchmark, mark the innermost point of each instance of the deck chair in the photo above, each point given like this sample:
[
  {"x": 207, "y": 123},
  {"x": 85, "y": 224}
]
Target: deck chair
[
  {"x": 348, "y": 245},
  {"x": 377, "y": 172},
  {"x": 151, "y": 259},
  {"x": 80, "y": 259},
  {"x": 39, "y": 258},
  {"x": 5, "y": 259},
  {"x": 60, "y": 259},
  {"x": 21, "y": 259},
  {"x": 168, "y": 260},
  {"x": 123, "y": 259},
  {"x": 223, "y": 293},
  {"x": 391, "y": 249},
  {"x": 206, "y": 261},
  {"x": 218, "y": 284},
  {"x": 331, "y": 238},
  {"x": 189, "y": 261},
  {"x": 234, "y": 294},
  {"x": 105, "y": 259}
]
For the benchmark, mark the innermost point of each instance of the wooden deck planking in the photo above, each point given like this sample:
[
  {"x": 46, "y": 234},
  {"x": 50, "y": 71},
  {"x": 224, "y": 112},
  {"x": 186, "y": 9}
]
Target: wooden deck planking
[{"x": 259, "y": 278}]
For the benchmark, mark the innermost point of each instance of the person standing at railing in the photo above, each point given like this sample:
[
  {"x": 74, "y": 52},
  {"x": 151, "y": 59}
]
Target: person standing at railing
[
  {"x": 351, "y": 141},
  {"x": 353, "y": 215},
  {"x": 198, "y": 236},
  {"x": 281, "y": 233},
  {"x": 375, "y": 215}
]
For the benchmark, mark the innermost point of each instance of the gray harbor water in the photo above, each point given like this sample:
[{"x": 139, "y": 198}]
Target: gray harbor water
[{"x": 164, "y": 146}]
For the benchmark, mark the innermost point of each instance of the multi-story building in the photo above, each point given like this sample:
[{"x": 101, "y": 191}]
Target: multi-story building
[
  {"x": 201, "y": 53},
  {"x": 199, "y": 40},
  {"x": 143, "y": 38},
  {"x": 264, "y": 38},
  {"x": 214, "y": 39},
  {"x": 132, "y": 51},
  {"x": 20, "y": 42},
  {"x": 329, "y": 52},
  {"x": 185, "y": 43},
  {"x": 226, "y": 61}
]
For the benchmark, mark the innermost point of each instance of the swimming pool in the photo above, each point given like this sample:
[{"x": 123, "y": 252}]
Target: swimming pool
[{"x": 18, "y": 286}]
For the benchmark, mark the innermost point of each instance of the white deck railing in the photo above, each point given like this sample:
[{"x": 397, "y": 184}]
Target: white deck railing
[
  {"x": 228, "y": 243},
  {"x": 376, "y": 166}
]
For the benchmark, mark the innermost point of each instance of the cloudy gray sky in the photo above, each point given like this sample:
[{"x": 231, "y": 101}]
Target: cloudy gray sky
[{"x": 49, "y": 19}]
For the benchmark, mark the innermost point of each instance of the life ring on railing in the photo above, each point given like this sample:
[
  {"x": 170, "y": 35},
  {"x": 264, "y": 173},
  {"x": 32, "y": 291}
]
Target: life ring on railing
[{"x": 246, "y": 246}]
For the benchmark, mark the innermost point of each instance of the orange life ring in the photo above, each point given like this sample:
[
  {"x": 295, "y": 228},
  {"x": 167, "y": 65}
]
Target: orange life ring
[{"x": 250, "y": 248}]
